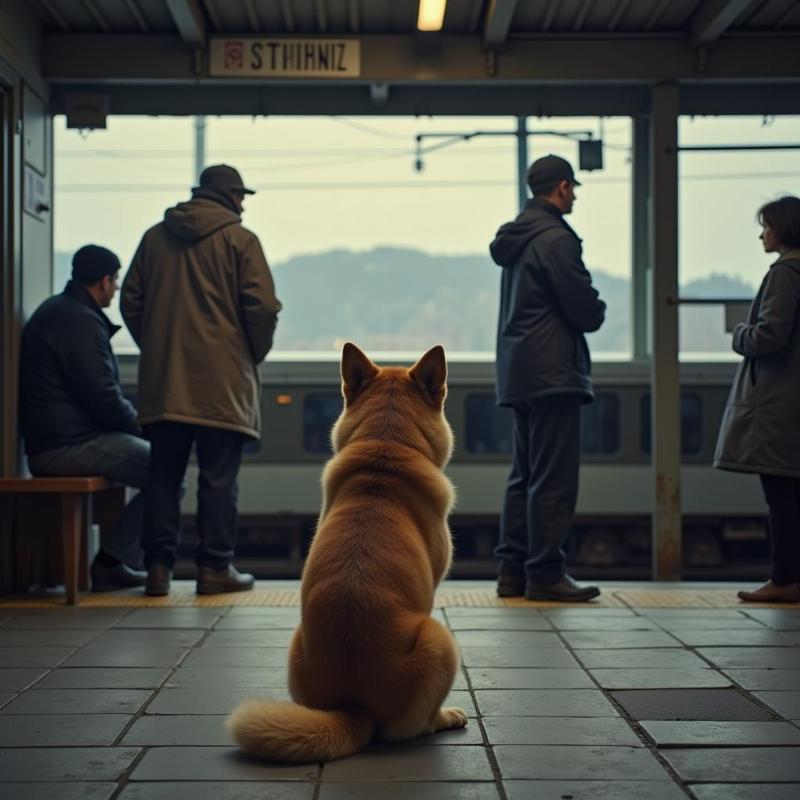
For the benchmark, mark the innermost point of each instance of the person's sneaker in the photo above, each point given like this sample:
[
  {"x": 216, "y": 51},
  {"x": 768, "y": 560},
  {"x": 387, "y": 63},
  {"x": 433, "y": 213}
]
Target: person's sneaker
[
  {"x": 159, "y": 577},
  {"x": 565, "y": 591},
  {"x": 213, "y": 581},
  {"x": 772, "y": 593},
  {"x": 120, "y": 576}
]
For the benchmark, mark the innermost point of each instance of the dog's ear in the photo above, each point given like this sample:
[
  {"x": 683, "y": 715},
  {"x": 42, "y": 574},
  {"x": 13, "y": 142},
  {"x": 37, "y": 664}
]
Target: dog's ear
[
  {"x": 430, "y": 373},
  {"x": 357, "y": 370}
]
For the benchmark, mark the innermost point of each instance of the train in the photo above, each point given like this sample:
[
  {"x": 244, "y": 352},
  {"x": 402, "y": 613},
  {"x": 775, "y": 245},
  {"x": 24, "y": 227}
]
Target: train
[{"x": 724, "y": 513}]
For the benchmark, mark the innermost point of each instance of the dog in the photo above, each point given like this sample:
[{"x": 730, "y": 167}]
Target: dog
[{"x": 368, "y": 660}]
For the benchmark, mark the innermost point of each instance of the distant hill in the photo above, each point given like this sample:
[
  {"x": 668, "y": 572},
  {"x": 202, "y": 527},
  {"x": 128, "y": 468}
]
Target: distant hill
[
  {"x": 393, "y": 298},
  {"x": 398, "y": 298}
]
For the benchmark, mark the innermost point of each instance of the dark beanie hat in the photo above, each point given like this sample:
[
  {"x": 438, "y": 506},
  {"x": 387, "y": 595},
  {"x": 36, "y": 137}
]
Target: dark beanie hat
[{"x": 92, "y": 263}]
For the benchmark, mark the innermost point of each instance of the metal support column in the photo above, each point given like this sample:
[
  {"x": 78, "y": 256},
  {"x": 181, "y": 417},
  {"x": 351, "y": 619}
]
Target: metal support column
[
  {"x": 666, "y": 429},
  {"x": 522, "y": 161},
  {"x": 642, "y": 273},
  {"x": 199, "y": 146}
]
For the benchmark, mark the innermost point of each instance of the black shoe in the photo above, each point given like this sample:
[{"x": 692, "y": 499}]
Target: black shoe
[
  {"x": 158, "y": 580},
  {"x": 213, "y": 581},
  {"x": 120, "y": 576},
  {"x": 565, "y": 591},
  {"x": 510, "y": 583}
]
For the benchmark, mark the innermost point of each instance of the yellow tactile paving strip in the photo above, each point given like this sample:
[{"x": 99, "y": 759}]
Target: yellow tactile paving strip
[{"x": 183, "y": 596}]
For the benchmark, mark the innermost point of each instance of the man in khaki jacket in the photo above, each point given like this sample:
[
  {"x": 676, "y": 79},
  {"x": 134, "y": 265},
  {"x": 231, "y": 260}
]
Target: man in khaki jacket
[{"x": 200, "y": 302}]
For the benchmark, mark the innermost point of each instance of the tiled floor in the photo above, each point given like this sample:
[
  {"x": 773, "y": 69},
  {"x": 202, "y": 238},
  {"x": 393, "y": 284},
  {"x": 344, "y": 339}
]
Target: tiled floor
[{"x": 642, "y": 697}]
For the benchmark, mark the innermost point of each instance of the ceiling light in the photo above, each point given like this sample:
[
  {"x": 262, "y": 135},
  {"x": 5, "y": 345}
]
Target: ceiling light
[{"x": 431, "y": 15}]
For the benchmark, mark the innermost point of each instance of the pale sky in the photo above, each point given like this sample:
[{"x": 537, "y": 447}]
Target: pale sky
[
  {"x": 350, "y": 182},
  {"x": 333, "y": 182}
]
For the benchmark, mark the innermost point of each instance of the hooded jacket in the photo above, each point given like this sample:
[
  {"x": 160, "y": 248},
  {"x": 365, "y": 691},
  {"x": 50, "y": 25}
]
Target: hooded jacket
[
  {"x": 69, "y": 379},
  {"x": 760, "y": 429},
  {"x": 547, "y": 303},
  {"x": 199, "y": 301}
]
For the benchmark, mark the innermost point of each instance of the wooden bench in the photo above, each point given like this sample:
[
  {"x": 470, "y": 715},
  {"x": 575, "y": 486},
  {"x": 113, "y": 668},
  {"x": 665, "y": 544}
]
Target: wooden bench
[{"x": 76, "y": 516}]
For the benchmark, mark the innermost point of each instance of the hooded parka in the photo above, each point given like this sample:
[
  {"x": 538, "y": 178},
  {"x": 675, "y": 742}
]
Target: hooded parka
[
  {"x": 547, "y": 302},
  {"x": 760, "y": 429},
  {"x": 200, "y": 302}
]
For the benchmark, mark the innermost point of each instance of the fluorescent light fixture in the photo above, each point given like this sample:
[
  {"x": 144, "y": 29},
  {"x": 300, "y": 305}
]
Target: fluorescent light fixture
[{"x": 431, "y": 15}]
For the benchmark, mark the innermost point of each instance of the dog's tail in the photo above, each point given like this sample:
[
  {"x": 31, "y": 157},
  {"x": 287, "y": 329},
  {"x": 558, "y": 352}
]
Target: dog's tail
[{"x": 292, "y": 733}]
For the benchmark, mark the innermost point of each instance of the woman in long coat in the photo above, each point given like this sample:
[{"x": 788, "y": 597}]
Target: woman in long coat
[{"x": 760, "y": 430}]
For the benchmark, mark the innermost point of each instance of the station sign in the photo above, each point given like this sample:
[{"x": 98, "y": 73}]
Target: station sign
[{"x": 258, "y": 57}]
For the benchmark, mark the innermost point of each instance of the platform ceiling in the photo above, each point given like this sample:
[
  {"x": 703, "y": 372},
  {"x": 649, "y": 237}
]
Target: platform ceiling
[
  {"x": 697, "y": 20},
  {"x": 543, "y": 57}
]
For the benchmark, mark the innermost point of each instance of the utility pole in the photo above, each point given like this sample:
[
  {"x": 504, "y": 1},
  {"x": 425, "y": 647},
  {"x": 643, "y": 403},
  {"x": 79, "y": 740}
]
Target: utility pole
[
  {"x": 522, "y": 161},
  {"x": 199, "y": 146}
]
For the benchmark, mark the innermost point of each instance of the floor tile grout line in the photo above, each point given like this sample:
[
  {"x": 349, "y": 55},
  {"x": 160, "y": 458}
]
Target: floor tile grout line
[
  {"x": 123, "y": 780},
  {"x": 225, "y": 611},
  {"x": 633, "y": 724},
  {"x": 170, "y": 672},
  {"x": 53, "y": 669},
  {"x": 490, "y": 755}
]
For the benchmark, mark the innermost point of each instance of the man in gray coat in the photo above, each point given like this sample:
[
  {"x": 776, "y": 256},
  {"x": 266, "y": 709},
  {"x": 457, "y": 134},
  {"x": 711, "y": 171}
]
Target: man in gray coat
[
  {"x": 547, "y": 303},
  {"x": 200, "y": 302}
]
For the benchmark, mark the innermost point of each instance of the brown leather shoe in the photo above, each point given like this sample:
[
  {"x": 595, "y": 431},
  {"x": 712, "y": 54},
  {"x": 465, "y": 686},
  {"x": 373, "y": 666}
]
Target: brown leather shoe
[
  {"x": 564, "y": 591},
  {"x": 770, "y": 593},
  {"x": 158, "y": 580},
  {"x": 120, "y": 576},
  {"x": 510, "y": 583},
  {"x": 212, "y": 581}
]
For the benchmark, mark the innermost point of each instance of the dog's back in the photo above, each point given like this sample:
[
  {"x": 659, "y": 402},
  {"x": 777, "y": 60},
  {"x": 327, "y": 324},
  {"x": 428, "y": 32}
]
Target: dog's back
[{"x": 367, "y": 656}]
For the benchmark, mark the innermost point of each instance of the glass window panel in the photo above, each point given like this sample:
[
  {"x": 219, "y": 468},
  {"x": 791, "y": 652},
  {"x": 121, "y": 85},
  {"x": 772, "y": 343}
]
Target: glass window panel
[
  {"x": 719, "y": 193},
  {"x": 362, "y": 244},
  {"x": 600, "y": 425},
  {"x": 489, "y": 427},
  {"x": 320, "y": 412},
  {"x": 252, "y": 446},
  {"x": 691, "y": 423},
  {"x": 111, "y": 185}
]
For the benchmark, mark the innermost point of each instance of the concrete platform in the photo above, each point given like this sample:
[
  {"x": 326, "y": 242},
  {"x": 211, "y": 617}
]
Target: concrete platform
[{"x": 656, "y": 692}]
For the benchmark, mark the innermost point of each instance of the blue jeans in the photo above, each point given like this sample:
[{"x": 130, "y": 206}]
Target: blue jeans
[{"x": 119, "y": 457}]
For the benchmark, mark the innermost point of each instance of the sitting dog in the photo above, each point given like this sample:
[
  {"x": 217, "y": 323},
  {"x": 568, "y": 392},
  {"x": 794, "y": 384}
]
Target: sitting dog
[{"x": 367, "y": 659}]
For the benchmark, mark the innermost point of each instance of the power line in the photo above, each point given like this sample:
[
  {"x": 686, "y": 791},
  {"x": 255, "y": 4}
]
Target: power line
[
  {"x": 361, "y": 126},
  {"x": 416, "y": 185}
]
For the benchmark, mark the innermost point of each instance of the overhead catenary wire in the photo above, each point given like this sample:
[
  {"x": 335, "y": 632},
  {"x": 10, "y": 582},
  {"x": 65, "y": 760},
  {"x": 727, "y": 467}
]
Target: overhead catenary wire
[{"x": 416, "y": 184}]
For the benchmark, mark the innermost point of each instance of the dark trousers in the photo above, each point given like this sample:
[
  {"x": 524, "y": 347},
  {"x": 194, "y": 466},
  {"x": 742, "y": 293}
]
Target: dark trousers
[
  {"x": 219, "y": 455},
  {"x": 783, "y": 498},
  {"x": 119, "y": 457},
  {"x": 542, "y": 488}
]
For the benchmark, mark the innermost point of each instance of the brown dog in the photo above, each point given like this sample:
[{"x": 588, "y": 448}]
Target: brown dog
[{"x": 367, "y": 659}]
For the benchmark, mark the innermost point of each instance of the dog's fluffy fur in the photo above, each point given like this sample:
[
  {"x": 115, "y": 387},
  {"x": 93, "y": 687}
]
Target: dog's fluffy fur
[{"x": 367, "y": 659}]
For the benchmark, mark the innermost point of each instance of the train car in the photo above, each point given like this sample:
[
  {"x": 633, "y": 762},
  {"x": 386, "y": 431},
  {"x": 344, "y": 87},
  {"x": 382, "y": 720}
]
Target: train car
[{"x": 724, "y": 513}]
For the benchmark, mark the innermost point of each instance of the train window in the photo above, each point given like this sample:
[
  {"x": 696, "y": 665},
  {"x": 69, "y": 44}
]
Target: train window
[
  {"x": 488, "y": 426},
  {"x": 600, "y": 425},
  {"x": 320, "y": 411},
  {"x": 691, "y": 423},
  {"x": 252, "y": 446}
]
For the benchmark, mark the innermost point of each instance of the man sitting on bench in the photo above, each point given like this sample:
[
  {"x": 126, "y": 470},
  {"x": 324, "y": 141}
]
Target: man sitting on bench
[{"x": 75, "y": 419}]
